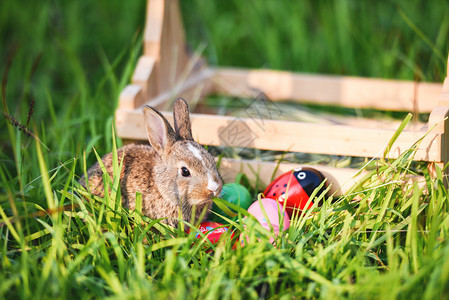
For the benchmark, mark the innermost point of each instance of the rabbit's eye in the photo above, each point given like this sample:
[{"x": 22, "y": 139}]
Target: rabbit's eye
[{"x": 185, "y": 172}]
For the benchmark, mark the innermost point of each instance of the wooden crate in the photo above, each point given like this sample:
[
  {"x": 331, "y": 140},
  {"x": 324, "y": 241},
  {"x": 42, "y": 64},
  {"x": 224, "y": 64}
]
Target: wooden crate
[{"x": 166, "y": 71}]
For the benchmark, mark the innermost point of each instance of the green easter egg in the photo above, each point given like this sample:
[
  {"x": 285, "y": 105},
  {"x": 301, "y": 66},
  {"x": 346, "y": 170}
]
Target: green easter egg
[{"x": 234, "y": 193}]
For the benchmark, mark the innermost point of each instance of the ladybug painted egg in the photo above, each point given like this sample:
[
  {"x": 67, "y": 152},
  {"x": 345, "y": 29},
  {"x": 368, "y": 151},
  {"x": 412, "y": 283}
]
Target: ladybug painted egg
[
  {"x": 271, "y": 208},
  {"x": 295, "y": 187},
  {"x": 212, "y": 230},
  {"x": 234, "y": 193}
]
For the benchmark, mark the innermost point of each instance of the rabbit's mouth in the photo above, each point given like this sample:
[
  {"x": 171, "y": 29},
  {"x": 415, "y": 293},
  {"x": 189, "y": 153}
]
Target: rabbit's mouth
[{"x": 201, "y": 197}]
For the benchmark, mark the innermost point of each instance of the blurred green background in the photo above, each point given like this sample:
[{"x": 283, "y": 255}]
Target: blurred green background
[
  {"x": 88, "y": 50},
  {"x": 72, "y": 59},
  {"x": 387, "y": 39}
]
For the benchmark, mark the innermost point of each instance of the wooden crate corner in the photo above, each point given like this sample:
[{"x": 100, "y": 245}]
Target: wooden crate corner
[{"x": 167, "y": 70}]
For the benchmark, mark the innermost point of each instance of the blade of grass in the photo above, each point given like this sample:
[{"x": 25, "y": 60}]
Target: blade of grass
[{"x": 397, "y": 133}]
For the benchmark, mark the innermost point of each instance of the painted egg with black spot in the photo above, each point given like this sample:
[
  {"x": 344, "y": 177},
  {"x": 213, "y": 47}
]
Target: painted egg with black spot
[{"x": 295, "y": 187}]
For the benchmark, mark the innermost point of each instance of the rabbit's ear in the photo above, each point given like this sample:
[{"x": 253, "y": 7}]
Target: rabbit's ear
[
  {"x": 182, "y": 119},
  {"x": 160, "y": 133}
]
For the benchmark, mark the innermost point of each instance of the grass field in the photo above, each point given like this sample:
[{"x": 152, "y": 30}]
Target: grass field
[{"x": 63, "y": 66}]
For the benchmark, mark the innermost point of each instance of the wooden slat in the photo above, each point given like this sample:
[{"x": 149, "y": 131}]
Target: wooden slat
[
  {"x": 437, "y": 118},
  {"x": 153, "y": 27},
  {"x": 130, "y": 96},
  {"x": 444, "y": 96},
  {"x": 165, "y": 57},
  {"x": 145, "y": 75},
  {"x": 172, "y": 56},
  {"x": 322, "y": 89},
  {"x": 291, "y": 136},
  {"x": 444, "y": 126}
]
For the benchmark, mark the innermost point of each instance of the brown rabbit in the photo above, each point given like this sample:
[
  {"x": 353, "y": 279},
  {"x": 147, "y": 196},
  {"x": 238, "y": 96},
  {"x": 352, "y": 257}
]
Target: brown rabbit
[{"x": 174, "y": 174}]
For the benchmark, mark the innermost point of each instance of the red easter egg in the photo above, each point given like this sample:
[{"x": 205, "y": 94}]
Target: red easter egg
[
  {"x": 295, "y": 187},
  {"x": 212, "y": 230}
]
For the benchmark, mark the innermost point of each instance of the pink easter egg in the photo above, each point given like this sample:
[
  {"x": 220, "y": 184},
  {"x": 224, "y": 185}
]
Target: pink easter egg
[{"x": 271, "y": 208}]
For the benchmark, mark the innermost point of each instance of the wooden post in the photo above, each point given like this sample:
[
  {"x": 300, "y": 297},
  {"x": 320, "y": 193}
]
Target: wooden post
[
  {"x": 444, "y": 102},
  {"x": 165, "y": 56}
]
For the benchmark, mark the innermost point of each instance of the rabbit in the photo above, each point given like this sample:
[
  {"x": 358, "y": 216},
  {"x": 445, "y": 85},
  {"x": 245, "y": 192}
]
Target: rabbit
[{"x": 173, "y": 174}]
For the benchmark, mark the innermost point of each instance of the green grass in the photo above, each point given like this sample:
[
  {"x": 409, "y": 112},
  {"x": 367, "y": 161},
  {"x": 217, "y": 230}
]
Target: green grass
[{"x": 381, "y": 240}]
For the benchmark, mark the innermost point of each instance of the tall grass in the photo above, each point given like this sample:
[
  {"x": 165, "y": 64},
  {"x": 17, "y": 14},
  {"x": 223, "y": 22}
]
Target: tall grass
[{"x": 384, "y": 239}]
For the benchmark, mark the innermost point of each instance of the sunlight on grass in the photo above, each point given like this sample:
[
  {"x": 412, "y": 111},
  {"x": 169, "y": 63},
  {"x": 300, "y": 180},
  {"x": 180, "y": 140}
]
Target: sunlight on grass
[
  {"x": 378, "y": 241},
  {"x": 386, "y": 238}
]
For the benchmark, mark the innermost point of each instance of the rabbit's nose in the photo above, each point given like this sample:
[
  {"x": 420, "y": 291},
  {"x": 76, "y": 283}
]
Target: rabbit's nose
[{"x": 214, "y": 187}]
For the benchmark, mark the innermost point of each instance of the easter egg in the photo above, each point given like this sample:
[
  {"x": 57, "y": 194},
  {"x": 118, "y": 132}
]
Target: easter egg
[
  {"x": 295, "y": 187},
  {"x": 272, "y": 209},
  {"x": 212, "y": 230},
  {"x": 234, "y": 193}
]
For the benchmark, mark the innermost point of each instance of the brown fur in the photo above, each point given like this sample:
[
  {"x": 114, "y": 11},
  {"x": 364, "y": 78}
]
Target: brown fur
[{"x": 155, "y": 171}]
